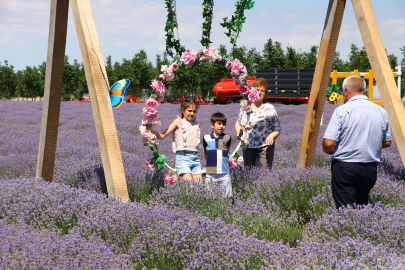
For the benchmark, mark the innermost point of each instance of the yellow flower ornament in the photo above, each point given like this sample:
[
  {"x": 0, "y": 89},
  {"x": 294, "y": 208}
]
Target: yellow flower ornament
[{"x": 333, "y": 96}]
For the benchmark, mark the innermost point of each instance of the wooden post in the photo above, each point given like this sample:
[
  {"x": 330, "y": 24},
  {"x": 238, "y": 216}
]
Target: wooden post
[
  {"x": 53, "y": 89},
  {"x": 383, "y": 73},
  {"x": 320, "y": 82},
  {"x": 98, "y": 85}
]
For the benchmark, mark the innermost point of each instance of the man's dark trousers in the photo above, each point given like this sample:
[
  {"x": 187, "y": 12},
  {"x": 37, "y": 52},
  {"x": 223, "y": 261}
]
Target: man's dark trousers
[{"x": 352, "y": 182}]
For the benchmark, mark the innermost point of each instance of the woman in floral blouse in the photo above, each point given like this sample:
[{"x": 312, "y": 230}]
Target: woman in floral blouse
[{"x": 262, "y": 127}]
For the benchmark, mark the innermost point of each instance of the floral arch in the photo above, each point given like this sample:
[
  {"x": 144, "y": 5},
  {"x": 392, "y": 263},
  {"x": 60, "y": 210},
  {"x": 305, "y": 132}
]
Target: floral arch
[{"x": 191, "y": 59}]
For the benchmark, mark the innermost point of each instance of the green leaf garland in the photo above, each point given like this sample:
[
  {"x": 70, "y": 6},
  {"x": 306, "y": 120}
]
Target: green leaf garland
[
  {"x": 234, "y": 25},
  {"x": 171, "y": 42},
  {"x": 207, "y": 14}
]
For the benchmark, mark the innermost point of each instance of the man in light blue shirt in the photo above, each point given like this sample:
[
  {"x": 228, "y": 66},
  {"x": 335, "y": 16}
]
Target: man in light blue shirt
[{"x": 356, "y": 134}]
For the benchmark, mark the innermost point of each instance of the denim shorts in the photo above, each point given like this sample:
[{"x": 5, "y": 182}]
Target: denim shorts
[{"x": 187, "y": 162}]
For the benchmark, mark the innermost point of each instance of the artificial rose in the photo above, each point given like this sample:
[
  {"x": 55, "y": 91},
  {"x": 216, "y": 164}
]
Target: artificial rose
[
  {"x": 188, "y": 57},
  {"x": 169, "y": 77},
  {"x": 174, "y": 66},
  {"x": 205, "y": 51},
  {"x": 155, "y": 124},
  {"x": 142, "y": 129},
  {"x": 151, "y": 165},
  {"x": 145, "y": 121},
  {"x": 159, "y": 87},
  {"x": 151, "y": 102},
  {"x": 243, "y": 89},
  {"x": 219, "y": 58},
  {"x": 228, "y": 65},
  {"x": 149, "y": 112},
  {"x": 253, "y": 95},
  {"x": 162, "y": 76}
]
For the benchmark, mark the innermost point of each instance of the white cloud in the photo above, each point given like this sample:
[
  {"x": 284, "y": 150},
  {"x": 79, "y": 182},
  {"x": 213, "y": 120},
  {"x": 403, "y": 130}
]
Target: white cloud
[
  {"x": 396, "y": 26},
  {"x": 291, "y": 17}
]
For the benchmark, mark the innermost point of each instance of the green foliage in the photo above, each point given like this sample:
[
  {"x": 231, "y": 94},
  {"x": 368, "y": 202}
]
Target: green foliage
[
  {"x": 197, "y": 80},
  {"x": 74, "y": 80},
  {"x": 234, "y": 25},
  {"x": 208, "y": 6},
  {"x": 171, "y": 42},
  {"x": 7, "y": 80}
]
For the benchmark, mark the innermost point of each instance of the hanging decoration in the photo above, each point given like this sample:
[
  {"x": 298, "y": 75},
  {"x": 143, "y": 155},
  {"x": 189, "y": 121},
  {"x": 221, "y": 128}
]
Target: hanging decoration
[
  {"x": 207, "y": 14},
  {"x": 234, "y": 25},
  {"x": 172, "y": 44}
]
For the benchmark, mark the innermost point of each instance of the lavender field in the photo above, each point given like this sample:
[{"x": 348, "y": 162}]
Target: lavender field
[{"x": 280, "y": 219}]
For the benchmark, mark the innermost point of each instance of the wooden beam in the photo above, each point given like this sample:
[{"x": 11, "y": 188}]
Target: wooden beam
[
  {"x": 53, "y": 89},
  {"x": 320, "y": 82},
  {"x": 381, "y": 71},
  {"x": 98, "y": 85}
]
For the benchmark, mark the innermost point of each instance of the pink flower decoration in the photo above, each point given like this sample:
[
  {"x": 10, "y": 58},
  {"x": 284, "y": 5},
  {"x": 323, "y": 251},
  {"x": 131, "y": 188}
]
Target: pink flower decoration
[
  {"x": 244, "y": 89},
  {"x": 174, "y": 66},
  {"x": 201, "y": 59},
  {"x": 151, "y": 165},
  {"x": 149, "y": 112},
  {"x": 219, "y": 58},
  {"x": 228, "y": 64},
  {"x": 169, "y": 77},
  {"x": 155, "y": 124},
  {"x": 151, "y": 102},
  {"x": 168, "y": 179},
  {"x": 188, "y": 58},
  {"x": 159, "y": 87},
  {"x": 253, "y": 95},
  {"x": 142, "y": 129},
  {"x": 145, "y": 121},
  {"x": 162, "y": 76},
  {"x": 205, "y": 51}
]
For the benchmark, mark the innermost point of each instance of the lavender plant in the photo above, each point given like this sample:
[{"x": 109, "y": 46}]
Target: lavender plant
[{"x": 281, "y": 219}]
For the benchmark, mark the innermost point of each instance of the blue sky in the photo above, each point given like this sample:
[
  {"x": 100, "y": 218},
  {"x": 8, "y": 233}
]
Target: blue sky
[{"x": 124, "y": 27}]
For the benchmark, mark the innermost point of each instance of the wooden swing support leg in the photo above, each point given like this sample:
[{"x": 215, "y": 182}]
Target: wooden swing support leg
[
  {"x": 320, "y": 82},
  {"x": 53, "y": 89},
  {"x": 379, "y": 64},
  {"x": 382, "y": 71},
  {"x": 98, "y": 86}
]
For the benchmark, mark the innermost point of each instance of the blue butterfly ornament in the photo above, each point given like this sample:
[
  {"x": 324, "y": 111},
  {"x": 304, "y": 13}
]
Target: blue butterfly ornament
[{"x": 117, "y": 92}]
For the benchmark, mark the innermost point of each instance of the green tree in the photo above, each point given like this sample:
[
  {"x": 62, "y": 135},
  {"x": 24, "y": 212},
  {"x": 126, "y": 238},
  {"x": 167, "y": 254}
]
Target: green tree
[
  {"x": 74, "y": 80},
  {"x": 7, "y": 80},
  {"x": 273, "y": 55},
  {"x": 358, "y": 59},
  {"x": 308, "y": 59},
  {"x": 293, "y": 58},
  {"x": 33, "y": 82}
]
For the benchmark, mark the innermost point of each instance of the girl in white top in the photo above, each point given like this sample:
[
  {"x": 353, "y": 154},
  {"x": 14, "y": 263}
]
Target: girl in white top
[{"x": 186, "y": 139}]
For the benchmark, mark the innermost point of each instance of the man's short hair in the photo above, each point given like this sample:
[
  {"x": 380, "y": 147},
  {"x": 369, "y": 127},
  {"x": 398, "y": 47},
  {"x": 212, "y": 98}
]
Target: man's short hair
[
  {"x": 355, "y": 84},
  {"x": 218, "y": 117}
]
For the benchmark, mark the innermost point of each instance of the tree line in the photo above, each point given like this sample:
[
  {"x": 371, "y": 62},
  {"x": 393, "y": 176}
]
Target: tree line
[{"x": 140, "y": 70}]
